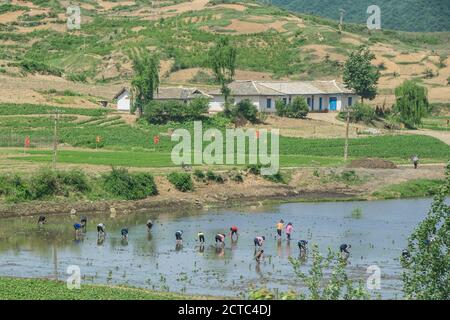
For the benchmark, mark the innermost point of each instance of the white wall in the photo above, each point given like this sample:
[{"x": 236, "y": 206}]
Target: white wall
[
  {"x": 216, "y": 104},
  {"x": 123, "y": 102}
]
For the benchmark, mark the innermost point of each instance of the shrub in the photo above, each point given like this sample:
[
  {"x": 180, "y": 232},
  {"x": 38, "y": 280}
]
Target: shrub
[
  {"x": 245, "y": 109},
  {"x": 161, "y": 112},
  {"x": 181, "y": 180},
  {"x": 360, "y": 113},
  {"x": 298, "y": 108},
  {"x": 236, "y": 176},
  {"x": 254, "y": 169},
  {"x": 32, "y": 66},
  {"x": 14, "y": 188},
  {"x": 123, "y": 184},
  {"x": 75, "y": 179},
  {"x": 211, "y": 176},
  {"x": 44, "y": 184},
  {"x": 199, "y": 174},
  {"x": 280, "y": 108},
  {"x": 277, "y": 178},
  {"x": 349, "y": 176}
]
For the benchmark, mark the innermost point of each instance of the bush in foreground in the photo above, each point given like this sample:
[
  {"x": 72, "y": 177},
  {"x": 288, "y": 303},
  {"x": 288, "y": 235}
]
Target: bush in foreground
[
  {"x": 129, "y": 186},
  {"x": 181, "y": 180}
]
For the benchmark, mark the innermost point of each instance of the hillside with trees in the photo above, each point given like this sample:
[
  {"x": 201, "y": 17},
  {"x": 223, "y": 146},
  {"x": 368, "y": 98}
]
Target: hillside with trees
[{"x": 406, "y": 15}]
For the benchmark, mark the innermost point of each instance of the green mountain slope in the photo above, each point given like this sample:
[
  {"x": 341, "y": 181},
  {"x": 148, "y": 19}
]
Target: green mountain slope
[{"x": 407, "y": 15}]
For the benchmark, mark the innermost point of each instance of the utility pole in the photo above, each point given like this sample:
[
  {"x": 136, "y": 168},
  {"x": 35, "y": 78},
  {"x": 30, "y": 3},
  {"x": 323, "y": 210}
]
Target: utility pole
[
  {"x": 55, "y": 139},
  {"x": 347, "y": 125}
]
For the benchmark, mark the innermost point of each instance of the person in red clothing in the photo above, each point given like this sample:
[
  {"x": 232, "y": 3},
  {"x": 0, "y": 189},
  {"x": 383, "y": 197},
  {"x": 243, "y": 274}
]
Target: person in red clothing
[{"x": 234, "y": 231}]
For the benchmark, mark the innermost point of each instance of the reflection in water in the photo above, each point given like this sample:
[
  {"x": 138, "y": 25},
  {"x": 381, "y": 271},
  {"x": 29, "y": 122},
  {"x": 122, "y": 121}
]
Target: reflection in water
[
  {"x": 279, "y": 248},
  {"x": 378, "y": 236},
  {"x": 234, "y": 244},
  {"x": 288, "y": 249},
  {"x": 220, "y": 250},
  {"x": 100, "y": 240}
]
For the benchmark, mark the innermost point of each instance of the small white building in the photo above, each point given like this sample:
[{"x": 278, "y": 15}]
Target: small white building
[
  {"x": 321, "y": 96},
  {"x": 182, "y": 94},
  {"x": 123, "y": 98}
]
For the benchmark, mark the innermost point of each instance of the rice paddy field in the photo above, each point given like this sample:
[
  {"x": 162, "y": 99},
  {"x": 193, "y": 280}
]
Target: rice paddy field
[{"x": 151, "y": 260}]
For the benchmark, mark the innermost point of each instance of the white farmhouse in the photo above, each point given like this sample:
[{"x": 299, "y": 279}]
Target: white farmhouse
[
  {"x": 320, "y": 95},
  {"x": 123, "y": 98},
  {"x": 181, "y": 94}
]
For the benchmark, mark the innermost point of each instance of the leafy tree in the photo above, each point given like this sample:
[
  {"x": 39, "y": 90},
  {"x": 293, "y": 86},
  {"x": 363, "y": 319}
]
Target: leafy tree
[
  {"x": 197, "y": 108},
  {"x": 222, "y": 58},
  {"x": 411, "y": 103},
  {"x": 244, "y": 111},
  {"x": 161, "y": 112},
  {"x": 360, "y": 75},
  {"x": 145, "y": 81},
  {"x": 426, "y": 274}
]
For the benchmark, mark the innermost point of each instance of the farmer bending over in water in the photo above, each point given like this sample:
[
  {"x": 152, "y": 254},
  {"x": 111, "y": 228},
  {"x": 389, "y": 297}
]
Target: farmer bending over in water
[
  {"x": 345, "y": 253},
  {"x": 42, "y": 220},
  {"x": 124, "y": 233},
  {"x": 303, "y": 246},
  {"x": 234, "y": 231},
  {"x": 149, "y": 225},
  {"x": 83, "y": 222},
  {"x": 201, "y": 237},
  {"x": 259, "y": 256},
  {"x": 77, "y": 228},
  {"x": 101, "y": 230},
  {"x": 259, "y": 241},
  {"x": 220, "y": 239},
  {"x": 179, "y": 237}
]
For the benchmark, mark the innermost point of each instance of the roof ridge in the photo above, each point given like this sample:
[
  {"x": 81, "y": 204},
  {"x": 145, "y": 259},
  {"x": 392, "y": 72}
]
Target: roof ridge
[
  {"x": 270, "y": 88},
  {"x": 254, "y": 85}
]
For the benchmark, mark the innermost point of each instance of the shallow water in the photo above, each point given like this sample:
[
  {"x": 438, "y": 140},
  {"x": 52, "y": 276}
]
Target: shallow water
[{"x": 152, "y": 261}]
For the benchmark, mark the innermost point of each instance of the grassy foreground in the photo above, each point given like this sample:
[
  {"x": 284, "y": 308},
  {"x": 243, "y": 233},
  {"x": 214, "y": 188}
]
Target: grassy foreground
[{"x": 42, "y": 289}]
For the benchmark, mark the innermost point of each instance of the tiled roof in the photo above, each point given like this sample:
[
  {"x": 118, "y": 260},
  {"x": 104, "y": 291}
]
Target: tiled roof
[
  {"x": 255, "y": 88},
  {"x": 174, "y": 93},
  {"x": 178, "y": 93}
]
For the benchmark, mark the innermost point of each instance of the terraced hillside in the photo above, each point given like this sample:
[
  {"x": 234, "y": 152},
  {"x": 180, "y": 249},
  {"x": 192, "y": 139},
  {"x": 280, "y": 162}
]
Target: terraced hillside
[{"x": 38, "y": 53}]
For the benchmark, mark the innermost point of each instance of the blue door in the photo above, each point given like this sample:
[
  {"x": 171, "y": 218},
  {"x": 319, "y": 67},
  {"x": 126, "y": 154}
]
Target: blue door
[{"x": 333, "y": 101}]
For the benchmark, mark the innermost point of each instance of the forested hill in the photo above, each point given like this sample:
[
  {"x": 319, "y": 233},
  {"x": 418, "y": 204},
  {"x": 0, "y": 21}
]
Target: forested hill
[{"x": 406, "y": 15}]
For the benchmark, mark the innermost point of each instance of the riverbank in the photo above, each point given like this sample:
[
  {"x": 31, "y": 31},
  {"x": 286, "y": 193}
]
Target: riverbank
[
  {"x": 38, "y": 289},
  {"x": 304, "y": 184}
]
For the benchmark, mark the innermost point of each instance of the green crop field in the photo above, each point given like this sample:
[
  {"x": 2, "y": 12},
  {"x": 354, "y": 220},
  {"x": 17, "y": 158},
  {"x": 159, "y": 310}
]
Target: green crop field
[
  {"x": 37, "y": 289},
  {"x": 126, "y": 145}
]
